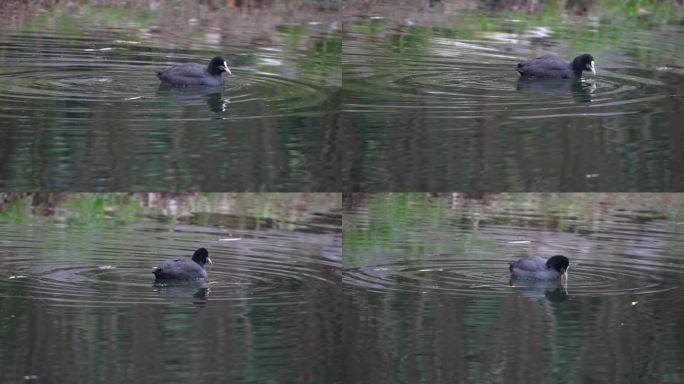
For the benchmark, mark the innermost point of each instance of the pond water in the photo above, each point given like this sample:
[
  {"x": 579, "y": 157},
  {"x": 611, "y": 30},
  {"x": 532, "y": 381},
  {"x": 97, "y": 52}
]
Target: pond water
[
  {"x": 78, "y": 301},
  {"x": 430, "y": 298},
  {"x": 432, "y": 100},
  {"x": 81, "y": 107}
]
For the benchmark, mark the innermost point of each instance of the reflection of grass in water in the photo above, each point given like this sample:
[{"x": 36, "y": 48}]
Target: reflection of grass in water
[
  {"x": 126, "y": 208},
  {"x": 326, "y": 60},
  {"x": 78, "y": 223},
  {"x": 119, "y": 15},
  {"x": 69, "y": 18},
  {"x": 73, "y": 208},
  {"x": 71, "y": 21},
  {"x": 582, "y": 33},
  {"x": 404, "y": 218},
  {"x": 16, "y": 212},
  {"x": 94, "y": 208},
  {"x": 391, "y": 219},
  {"x": 282, "y": 207},
  {"x": 640, "y": 13}
]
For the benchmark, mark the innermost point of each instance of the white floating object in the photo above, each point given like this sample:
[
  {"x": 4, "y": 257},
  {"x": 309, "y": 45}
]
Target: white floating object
[
  {"x": 231, "y": 239},
  {"x": 519, "y": 242},
  {"x": 134, "y": 98},
  {"x": 18, "y": 277},
  {"x": 634, "y": 303},
  {"x": 271, "y": 62},
  {"x": 106, "y": 267}
]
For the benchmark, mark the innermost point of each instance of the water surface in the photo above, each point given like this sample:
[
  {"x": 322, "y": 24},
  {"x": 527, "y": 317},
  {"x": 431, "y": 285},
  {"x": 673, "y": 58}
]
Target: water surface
[
  {"x": 430, "y": 297},
  {"x": 432, "y": 101},
  {"x": 78, "y": 300},
  {"x": 81, "y": 107}
]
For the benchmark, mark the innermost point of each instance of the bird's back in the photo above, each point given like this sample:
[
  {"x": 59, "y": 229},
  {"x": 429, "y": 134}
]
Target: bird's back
[
  {"x": 532, "y": 268},
  {"x": 189, "y": 74},
  {"x": 530, "y": 263},
  {"x": 182, "y": 268},
  {"x": 545, "y": 66}
]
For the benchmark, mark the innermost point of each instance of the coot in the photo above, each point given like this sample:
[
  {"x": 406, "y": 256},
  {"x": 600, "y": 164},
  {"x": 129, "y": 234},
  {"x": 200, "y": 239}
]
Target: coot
[
  {"x": 195, "y": 74},
  {"x": 184, "y": 268},
  {"x": 536, "y": 268},
  {"x": 549, "y": 66}
]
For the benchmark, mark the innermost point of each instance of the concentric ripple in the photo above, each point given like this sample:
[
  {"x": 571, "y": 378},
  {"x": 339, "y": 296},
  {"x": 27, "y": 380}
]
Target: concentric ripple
[
  {"x": 84, "y": 74},
  {"x": 446, "y": 77},
  {"x": 441, "y": 275},
  {"x": 457, "y": 90},
  {"x": 88, "y": 104},
  {"x": 491, "y": 277},
  {"x": 270, "y": 269},
  {"x": 623, "y": 245}
]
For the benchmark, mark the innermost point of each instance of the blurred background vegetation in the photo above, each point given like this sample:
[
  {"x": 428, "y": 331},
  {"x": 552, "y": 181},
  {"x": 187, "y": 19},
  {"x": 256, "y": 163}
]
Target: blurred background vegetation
[{"x": 210, "y": 209}]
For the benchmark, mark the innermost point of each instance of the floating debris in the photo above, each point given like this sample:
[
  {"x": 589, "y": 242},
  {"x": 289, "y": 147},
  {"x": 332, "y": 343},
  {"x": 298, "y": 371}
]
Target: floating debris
[{"x": 98, "y": 49}]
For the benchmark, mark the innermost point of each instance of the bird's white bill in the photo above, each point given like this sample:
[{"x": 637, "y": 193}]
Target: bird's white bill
[
  {"x": 593, "y": 69},
  {"x": 209, "y": 261},
  {"x": 564, "y": 276},
  {"x": 225, "y": 66}
]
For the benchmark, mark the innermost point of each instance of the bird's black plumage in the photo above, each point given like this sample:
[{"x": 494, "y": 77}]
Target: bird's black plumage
[
  {"x": 184, "y": 268},
  {"x": 552, "y": 67},
  {"x": 195, "y": 74},
  {"x": 538, "y": 268}
]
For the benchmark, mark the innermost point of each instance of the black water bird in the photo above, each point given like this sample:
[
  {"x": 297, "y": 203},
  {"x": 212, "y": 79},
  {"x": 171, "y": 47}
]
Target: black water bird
[
  {"x": 552, "y": 67},
  {"x": 537, "y": 268},
  {"x": 195, "y": 74},
  {"x": 184, "y": 268}
]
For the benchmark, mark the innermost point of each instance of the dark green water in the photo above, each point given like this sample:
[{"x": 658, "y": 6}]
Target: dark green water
[
  {"x": 396, "y": 97},
  {"x": 362, "y": 96},
  {"x": 81, "y": 108},
  {"x": 432, "y": 101},
  {"x": 430, "y": 298},
  {"x": 78, "y": 302}
]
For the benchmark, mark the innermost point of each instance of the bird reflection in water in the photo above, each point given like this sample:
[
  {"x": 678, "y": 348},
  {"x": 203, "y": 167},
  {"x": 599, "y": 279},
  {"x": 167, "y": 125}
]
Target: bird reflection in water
[{"x": 580, "y": 90}]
